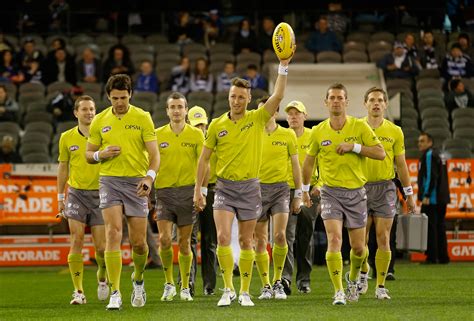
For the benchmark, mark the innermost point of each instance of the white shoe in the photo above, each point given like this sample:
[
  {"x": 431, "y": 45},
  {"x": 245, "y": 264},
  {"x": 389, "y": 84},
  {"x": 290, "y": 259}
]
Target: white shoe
[
  {"x": 352, "y": 290},
  {"x": 169, "y": 292},
  {"x": 266, "y": 293},
  {"x": 138, "y": 294},
  {"x": 382, "y": 294},
  {"x": 245, "y": 300},
  {"x": 185, "y": 294},
  {"x": 78, "y": 298},
  {"x": 103, "y": 291},
  {"x": 339, "y": 298},
  {"x": 115, "y": 302},
  {"x": 227, "y": 297},
  {"x": 279, "y": 291},
  {"x": 363, "y": 282}
]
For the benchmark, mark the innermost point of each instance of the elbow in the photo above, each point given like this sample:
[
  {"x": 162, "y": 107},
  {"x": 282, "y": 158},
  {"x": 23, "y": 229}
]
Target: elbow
[{"x": 381, "y": 154}]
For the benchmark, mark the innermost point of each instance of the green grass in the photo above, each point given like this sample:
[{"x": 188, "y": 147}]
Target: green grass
[{"x": 421, "y": 292}]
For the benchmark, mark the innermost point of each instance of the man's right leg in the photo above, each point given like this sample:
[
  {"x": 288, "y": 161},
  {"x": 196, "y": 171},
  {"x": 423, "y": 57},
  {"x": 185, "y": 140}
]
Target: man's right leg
[
  {"x": 334, "y": 258},
  {"x": 75, "y": 260},
  {"x": 262, "y": 259}
]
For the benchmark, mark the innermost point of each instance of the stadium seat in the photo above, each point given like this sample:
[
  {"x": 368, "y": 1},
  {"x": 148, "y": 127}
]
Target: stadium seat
[
  {"x": 90, "y": 87},
  {"x": 138, "y": 58},
  {"x": 142, "y": 48},
  {"x": 459, "y": 123},
  {"x": 379, "y": 45},
  {"x": 38, "y": 116},
  {"x": 34, "y": 106},
  {"x": 221, "y": 58},
  {"x": 430, "y": 103},
  {"x": 434, "y": 123},
  {"x": 411, "y": 132},
  {"x": 362, "y": 37},
  {"x": 58, "y": 86},
  {"x": 32, "y": 87},
  {"x": 409, "y": 113},
  {"x": 439, "y": 135},
  {"x": 411, "y": 142},
  {"x": 129, "y": 40},
  {"x": 355, "y": 57},
  {"x": 106, "y": 38},
  {"x": 429, "y": 93},
  {"x": 29, "y": 148},
  {"x": 408, "y": 122},
  {"x": 302, "y": 57},
  {"x": 49, "y": 40},
  {"x": 457, "y": 143},
  {"x": 377, "y": 55},
  {"x": 462, "y": 112},
  {"x": 428, "y": 83},
  {"x": 222, "y": 96},
  {"x": 248, "y": 58},
  {"x": 221, "y": 47},
  {"x": 10, "y": 88},
  {"x": 36, "y": 38},
  {"x": 81, "y": 39},
  {"x": 39, "y": 127},
  {"x": 11, "y": 128},
  {"x": 354, "y": 46},
  {"x": 464, "y": 133},
  {"x": 36, "y": 158},
  {"x": 434, "y": 112},
  {"x": 398, "y": 83},
  {"x": 383, "y": 36},
  {"x": 63, "y": 126},
  {"x": 428, "y": 73},
  {"x": 407, "y": 102},
  {"x": 194, "y": 48},
  {"x": 144, "y": 104},
  {"x": 156, "y": 39},
  {"x": 201, "y": 95},
  {"x": 413, "y": 153},
  {"x": 458, "y": 153},
  {"x": 328, "y": 57},
  {"x": 167, "y": 48}
]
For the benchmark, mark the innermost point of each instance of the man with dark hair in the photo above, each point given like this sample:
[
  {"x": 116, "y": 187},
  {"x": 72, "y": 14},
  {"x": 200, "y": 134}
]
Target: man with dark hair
[
  {"x": 236, "y": 138},
  {"x": 323, "y": 39},
  {"x": 257, "y": 81},
  {"x": 82, "y": 199},
  {"x": 398, "y": 64},
  {"x": 433, "y": 191},
  {"x": 8, "y": 153},
  {"x": 123, "y": 140},
  {"x": 174, "y": 192},
  {"x": 458, "y": 96},
  {"x": 456, "y": 64},
  {"x": 340, "y": 144}
]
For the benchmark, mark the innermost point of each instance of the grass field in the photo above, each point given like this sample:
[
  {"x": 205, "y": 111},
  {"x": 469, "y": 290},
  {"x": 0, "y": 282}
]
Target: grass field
[{"x": 421, "y": 292}]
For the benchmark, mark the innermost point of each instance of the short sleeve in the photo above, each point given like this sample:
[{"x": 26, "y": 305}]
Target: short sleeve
[
  {"x": 399, "y": 145},
  {"x": 211, "y": 137},
  {"x": 314, "y": 144},
  {"x": 367, "y": 134},
  {"x": 63, "y": 150},
  {"x": 200, "y": 142},
  {"x": 292, "y": 143},
  {"x": 148, "y": 131},
  {"x": 94, "y": 133},
  {"x": 262, "y": 114}
]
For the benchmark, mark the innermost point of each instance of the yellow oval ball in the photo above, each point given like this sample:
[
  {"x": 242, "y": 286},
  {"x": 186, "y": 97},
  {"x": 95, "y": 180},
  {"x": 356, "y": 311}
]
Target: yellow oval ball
[{"x": 283, "y": 40}]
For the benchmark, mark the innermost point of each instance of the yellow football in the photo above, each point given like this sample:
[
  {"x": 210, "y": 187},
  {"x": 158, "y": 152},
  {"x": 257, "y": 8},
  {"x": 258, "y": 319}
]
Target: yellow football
[{"x": 283, "y": 40}]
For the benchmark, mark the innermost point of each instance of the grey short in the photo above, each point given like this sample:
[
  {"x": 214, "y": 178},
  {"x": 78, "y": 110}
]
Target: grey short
[
  {"x": 243, "y": 198},
  {"x": 348, "y": 205},
  {"x": 83, "y": 206},
  {"x": 122, "y": 191},
  {"x": 381, "y": 199},
  {"x": 176, "y": 205},
  {"x": 275, "y": 199}
]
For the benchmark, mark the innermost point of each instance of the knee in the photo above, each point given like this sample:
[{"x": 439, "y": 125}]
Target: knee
[
  {"x": 280, "y": 237},
  {"x": 334, "y": 240},
  {"x": 260, "y": 243},
  {"x": 184, "y": 246},
  {"x": 140, "y": 248},
  {"x": 114, "y": 234},
  {"x": 77, "y": 241},
  {"x": 165, "y": 240},
  {"x": 383, "y": 241},
  {"x": 358, "y": 249},
  {"x": 223, "y": 239},
  {"x": 246, "y": 243}
]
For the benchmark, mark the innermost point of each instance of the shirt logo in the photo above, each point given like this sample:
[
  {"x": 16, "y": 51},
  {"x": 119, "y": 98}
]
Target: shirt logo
[
  {"x": 135, "y": 127},
  {"x": 386, "y": 139},
  {"x": 222, "y": 133},
  {"x": 188, "y": 145},
  {"x": 106, "y": 129},
  {"x": 350, "y": 139},
  {"x": 73, "y": 148},
  {"x": 248, "y": 126},
  {"x": 197, "y": 115},
  {"x": 326, "y": 143},
  {"x": 164, "y": 145},
  {"x": 277, "y": 143}
]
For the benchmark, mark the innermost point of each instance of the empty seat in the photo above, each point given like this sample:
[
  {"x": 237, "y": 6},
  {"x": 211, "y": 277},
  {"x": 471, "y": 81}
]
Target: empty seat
[
  {"x": 355, "y": 57},
  {"x": 38, "y": 158},
  {"x": 201, "y": 95},
  {"x": 411, "y": 132},
  {"x": 144, "y": 104},
  {"x": 63, "y": 126},
  {"x": 431, "y": 102},
  {"x": 409, "y": 113},
  {"x": 302, "y": 57},
  {"x": 358, "y": 36},
  {"x": 435, "y": 112},
  {"x": 37, "y": 138},
  {"x": 383, "y": 36},
  {"x": 35, "y": 106},
  {"x": 428, "y": 73},
  {"x": 156, "y": 39},
  {"x": 439, "y": 135},
  {"x": 58, "y": 86},
  {"x": 195, "y": 48},
  {"x": 90, "y": 87},
  {"x": 38, "y": 116},
  {"x": 249, "y": 58},
  {"x": 221, "y": 47},
  {"x": 465, "y": 133},
  {"x": 29, "y": 148},
  {"x": 354, "y": 46},
  {"x": 222, "y": 96},
  {"x": 458, "y": 153},
  {"x": 462, "y": 112},
  {"x": 106, "y": 38},
  {"x": 379, "y": 45},
  {"x": 328, "y": 57},
  {"x": 131, "y": 40},
  {"x": 398, "y": 83},
  {"x": 32, "y": 87},
  {"x": 467, "y": 122},
  {"x": 434, "y": 123},
  {"x": 409, "y": 122},
  {"x": 377, "y": 55},
  {"x": 39, "y": 126},
  {"x": 428, "y": 83},
  {"x": 456, "y": 143}
]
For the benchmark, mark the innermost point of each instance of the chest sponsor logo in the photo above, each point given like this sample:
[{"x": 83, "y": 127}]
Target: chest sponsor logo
[
  {"x": 350, "y": 139},
  {"x": 248, "y": 126},
  {"x": 386, "y": 139},
  {"x": 183, "y": 144},
  {"x": 278, "y": 143},
  {"x": 304, "y": 146},
  {"x": 106, "y": 129},
  {"x": 326, "y": 142},
  {"x": 164, "y": 145},
  {"x": 73, "y": 148},
  {"x": 222, "y": 133},
  {"x": 132, "y": 127}
]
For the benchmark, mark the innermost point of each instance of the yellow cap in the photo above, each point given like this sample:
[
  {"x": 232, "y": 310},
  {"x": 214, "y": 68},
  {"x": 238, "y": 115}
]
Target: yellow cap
[
  {"x": 296, "y": 104},
  {"x": 197, "y": 115}
]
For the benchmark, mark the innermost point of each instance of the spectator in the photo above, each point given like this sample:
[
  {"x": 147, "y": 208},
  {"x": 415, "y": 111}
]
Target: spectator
[
  {"x": 265, "y": 35},
  {"x": 458, "y": 96},
  {"x": 8, "y": 154},
  {"x": 8, "y": 107},
  {"x": 147, "y": 80},
  {"x": 337, "y": 20},
  {"x": 28, "y": 54},
  {"x": 4, "y": 43},
  {"x": 245, "y": 39},
  {"x": 61, "y": 68},
  {"x": 465, "y": 43},
  {"x": 62, "y": 105},
  {"x": 223, "y": 82},
  {"x": 182, "y": 32},
  {"x": 180, "y": 77},
  {"x": 9, "y": 71},
  {"x": 398, "y": 64},
  {"x": 213, "y": 28},
  {"x": 456, "y": 64},
  {"x": 430, "y": 54},
  {"x": 201, "y": 79},
  {"x": 433, "y": 191},
  {"x": 118, "y": 62},
  {"x": 410, "y": 46},
  {"x": 57, "y": 43},
  {"x": 89, "y": 68},
  {"x": 32, "y": 72},
  {"x": 256, "y": 80},
  {"x": 59, "y": 13},
  {"x": 323, "y": 39}
]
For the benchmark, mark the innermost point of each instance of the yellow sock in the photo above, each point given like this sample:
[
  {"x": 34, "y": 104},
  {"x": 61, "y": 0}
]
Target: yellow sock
[
  {"x": 365, "y": 263},
  {"x": 113, "y": 262},
  {"x": 263, "y": 267},
  {"x": 356, "y": 262},
  {"x": 167, "y": 261},
  {"x": 279, "y": 257},
  {"x": 246, "y": 259},
  {"x": 185, "y": 262},
  {"x": 382, "y": 262},
  {"x": 334, "y": 263},
  {"x": 139, "y": 263},
  {"x": 76, "y": 267},
  {"x": 101, "y": 270},
  {"x": 226, "y": 263}
]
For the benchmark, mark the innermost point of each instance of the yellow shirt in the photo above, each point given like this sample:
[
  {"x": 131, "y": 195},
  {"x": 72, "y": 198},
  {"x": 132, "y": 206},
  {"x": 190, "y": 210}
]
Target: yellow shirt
[
  {"x": 130, "y": 132},
  {"x": 303, "y": 143},
  {"x": 278, "y": 147},
  {"x": 179, "y": 154},
  {"x": 238, "y": 145},
  {"x": 391, "y": 137},
  {"x": 346, "y": 170},
  {"x": 72, "y": 149},
  {"x": 212, "y": 174}
]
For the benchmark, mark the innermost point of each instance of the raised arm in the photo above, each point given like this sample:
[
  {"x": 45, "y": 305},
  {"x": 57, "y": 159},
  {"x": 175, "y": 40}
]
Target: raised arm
[{"x": 278, "y": 93}]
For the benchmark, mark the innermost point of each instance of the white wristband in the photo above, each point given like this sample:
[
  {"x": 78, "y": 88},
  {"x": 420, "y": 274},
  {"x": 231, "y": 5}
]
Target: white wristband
[
  {"x": 283, "y": 70},
  {"x": 204, "y": 190},
  {"x": 357, "y": 148},
  {"x": 96, "y": 156},
  {"x": 305, "y": 188},
  {"x": 298, "y": 193},
  {"x": 408, "y": 190},
  {"x": 152, "y": 174},
  {"x": 61, "y": 196}
]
